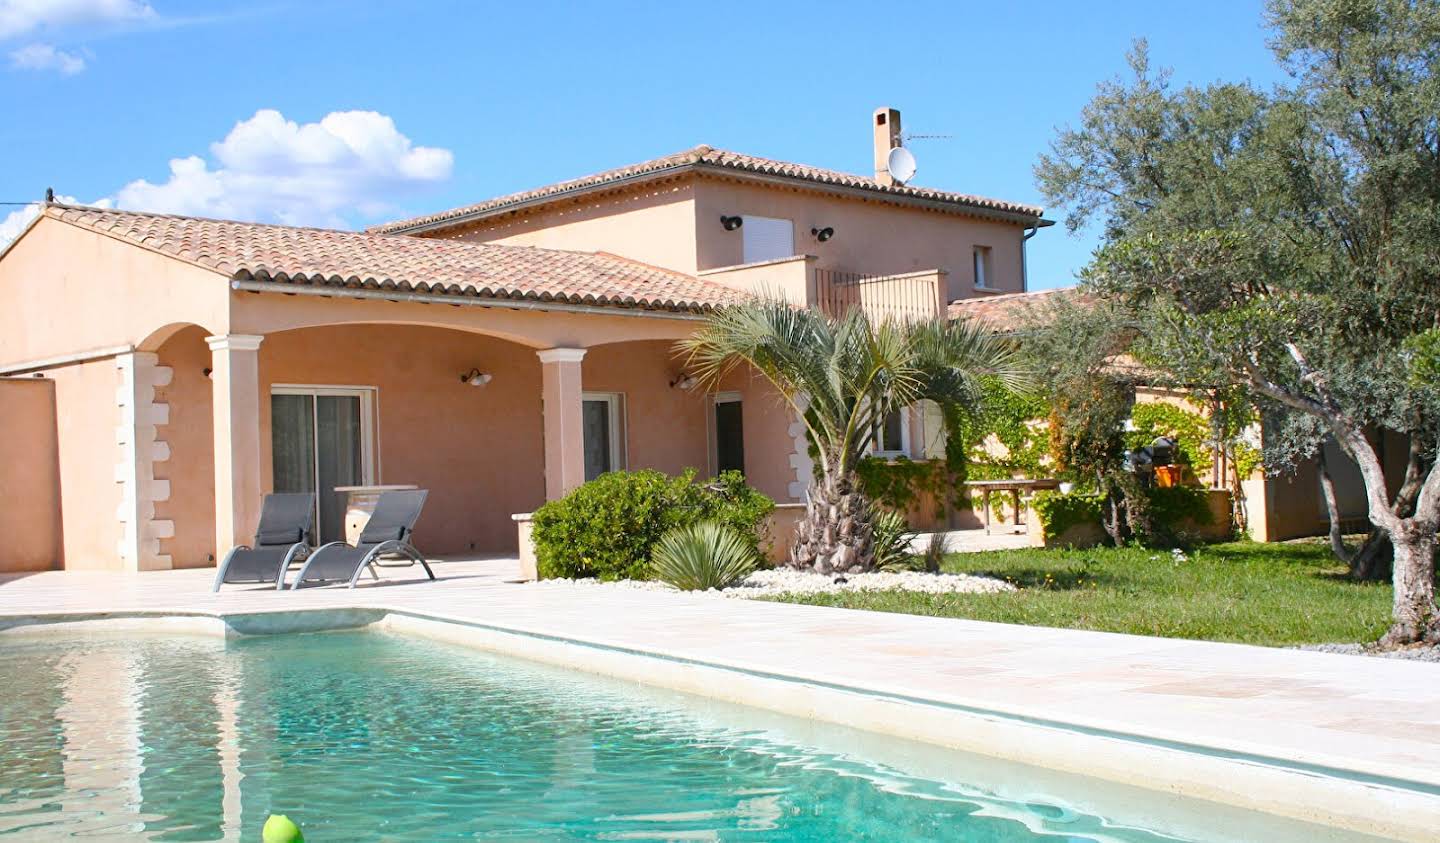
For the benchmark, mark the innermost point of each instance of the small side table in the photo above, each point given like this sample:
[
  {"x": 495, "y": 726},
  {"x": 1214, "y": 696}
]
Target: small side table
[{"x": 360, "y": 503}]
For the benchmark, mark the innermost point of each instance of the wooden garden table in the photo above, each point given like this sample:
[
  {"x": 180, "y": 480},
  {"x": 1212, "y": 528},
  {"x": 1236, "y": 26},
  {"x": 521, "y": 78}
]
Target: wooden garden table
[{"x": 1015, "y": 487}]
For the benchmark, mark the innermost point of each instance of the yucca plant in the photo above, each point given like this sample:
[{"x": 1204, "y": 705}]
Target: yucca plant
[
  {"x": 702, "y": 556},
  {"x": 892, "y": 541}
]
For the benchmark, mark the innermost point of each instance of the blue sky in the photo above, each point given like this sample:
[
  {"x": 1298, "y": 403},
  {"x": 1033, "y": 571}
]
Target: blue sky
[{"x": 221, "y": 108}]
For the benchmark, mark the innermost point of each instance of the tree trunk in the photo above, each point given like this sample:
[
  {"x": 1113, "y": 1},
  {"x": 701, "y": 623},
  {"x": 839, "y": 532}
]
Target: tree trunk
[
  {"x": 837, "y": 535},
  {"x": 1332, "y": 509},
  {"x": 1369, "y": 561},
  {"x": 1372, "y": 560},
  {"x": 1415, "y": 618}
]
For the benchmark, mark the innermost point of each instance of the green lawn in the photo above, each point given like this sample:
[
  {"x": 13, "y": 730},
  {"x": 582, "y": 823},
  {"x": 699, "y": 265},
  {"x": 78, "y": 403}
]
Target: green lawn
[{"x": 1276, "y": 594}]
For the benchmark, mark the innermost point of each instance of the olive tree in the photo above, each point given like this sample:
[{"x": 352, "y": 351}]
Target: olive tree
[{"x": 1287, "y": 242}]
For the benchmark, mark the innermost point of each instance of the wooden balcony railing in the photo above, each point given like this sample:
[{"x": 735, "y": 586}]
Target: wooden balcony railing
[{"x": 907, "y": 297}]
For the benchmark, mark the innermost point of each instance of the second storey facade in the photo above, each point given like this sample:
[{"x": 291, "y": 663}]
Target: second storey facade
[{"x": 816, "y": 237}]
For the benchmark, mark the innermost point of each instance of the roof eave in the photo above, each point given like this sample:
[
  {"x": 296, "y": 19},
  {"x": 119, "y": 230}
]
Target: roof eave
[
  {"x": 954, "y": 207},
  {"x": 251, "y": 285},
  {"x": 871, "y": 193},
  {"x": 530, "y": 202}
]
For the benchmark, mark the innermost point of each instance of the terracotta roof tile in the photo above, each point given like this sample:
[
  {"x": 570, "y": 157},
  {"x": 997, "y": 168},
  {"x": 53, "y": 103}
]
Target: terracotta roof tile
[
  {"x": 1005, "y": 312},
  {"x": 324, "y": 257},
  {"x": 705, "y": 157}
]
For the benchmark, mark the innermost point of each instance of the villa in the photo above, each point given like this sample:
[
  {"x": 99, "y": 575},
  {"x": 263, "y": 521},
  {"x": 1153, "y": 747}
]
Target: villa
[{"x": 161, "y": 373}]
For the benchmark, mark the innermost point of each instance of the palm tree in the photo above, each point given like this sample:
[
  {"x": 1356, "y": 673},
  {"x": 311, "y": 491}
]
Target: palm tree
[{"x": 843, "y": 376}]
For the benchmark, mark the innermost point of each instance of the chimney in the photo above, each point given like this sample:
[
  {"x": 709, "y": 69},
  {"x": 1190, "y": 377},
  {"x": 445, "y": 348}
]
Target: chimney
[{"x": 887, "y": 137}]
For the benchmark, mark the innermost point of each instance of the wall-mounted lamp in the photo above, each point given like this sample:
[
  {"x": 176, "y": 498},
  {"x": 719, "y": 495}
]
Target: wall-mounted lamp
[
  {"x": 475, "y": 377},
  {"x": 683, "y": 381},
  {"x": 731, "y": 223},
  {"x": 822, "y": 234}
]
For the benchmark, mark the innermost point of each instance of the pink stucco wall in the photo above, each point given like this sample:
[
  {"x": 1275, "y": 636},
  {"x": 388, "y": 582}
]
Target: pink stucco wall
[
  {"x": 87, "y": 417},
  {"x": 870, "y": 237},
  {"x": 29, "y": 476},
  {"x": 666, "y": 428},
  {"x": 654, "y": 224},
  {"x": 65, "y": 289}
]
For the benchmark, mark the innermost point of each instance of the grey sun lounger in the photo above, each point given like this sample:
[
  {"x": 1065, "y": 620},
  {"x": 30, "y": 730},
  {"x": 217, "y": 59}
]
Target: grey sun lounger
[
  {"x": 285, "y": 520},
  {"x": 387, "y": 533}
]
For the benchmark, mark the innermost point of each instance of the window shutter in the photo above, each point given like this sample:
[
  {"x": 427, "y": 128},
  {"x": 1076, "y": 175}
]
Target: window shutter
[
  {"x": 935, "y": 434},
  {"x": 767, "y": 239}
]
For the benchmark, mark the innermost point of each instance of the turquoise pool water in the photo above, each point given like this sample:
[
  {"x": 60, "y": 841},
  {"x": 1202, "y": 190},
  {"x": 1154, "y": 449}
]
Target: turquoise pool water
[{"x": 367, "y": 736}]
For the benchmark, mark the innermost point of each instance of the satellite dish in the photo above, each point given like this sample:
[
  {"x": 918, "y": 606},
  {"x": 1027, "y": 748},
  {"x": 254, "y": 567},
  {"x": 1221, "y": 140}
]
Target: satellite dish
[{"x": 901, "y": 165}]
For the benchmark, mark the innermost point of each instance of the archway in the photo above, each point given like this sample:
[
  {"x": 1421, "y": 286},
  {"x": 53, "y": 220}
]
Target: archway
[{"x": 183, "y": 468}]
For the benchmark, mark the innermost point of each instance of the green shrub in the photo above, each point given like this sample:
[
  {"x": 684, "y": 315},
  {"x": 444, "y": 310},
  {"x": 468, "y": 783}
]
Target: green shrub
[
  {"x": 1171, "y": 505},
  {"x": 702, "y": 556},
  {"x": 1176, "y": 511},
  {"x": 608, "y": 527},
  {"x": 892, "y": 542},
  {"x": 1059, "y": 511},
  {"x": 735, "y": 505},
  {"x": 1167, "y": 510}
]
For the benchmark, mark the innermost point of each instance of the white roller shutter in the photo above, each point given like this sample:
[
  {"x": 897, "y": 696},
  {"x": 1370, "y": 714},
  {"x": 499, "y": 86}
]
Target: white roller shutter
[{"x": 767, "y": 239}]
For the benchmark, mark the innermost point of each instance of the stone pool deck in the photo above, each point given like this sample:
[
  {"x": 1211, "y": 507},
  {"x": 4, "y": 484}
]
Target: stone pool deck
[{"x": 1373, "y": 721}]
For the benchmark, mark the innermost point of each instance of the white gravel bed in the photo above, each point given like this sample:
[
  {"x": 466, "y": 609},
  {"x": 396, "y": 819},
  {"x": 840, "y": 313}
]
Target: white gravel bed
[
  {"x": 768, "y": 583},
  {"x": 791, "y": 581},
  {"x": 1421, "y": 653}
]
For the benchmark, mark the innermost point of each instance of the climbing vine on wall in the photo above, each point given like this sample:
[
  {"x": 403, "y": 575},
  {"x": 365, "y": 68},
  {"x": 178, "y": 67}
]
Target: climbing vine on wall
[
  {"x": 1007, "y": 435},
  {"x": 1190, "y": 431},
  {"x": 1196, "y": 435},
  {"x": 1002, "y": 436}
]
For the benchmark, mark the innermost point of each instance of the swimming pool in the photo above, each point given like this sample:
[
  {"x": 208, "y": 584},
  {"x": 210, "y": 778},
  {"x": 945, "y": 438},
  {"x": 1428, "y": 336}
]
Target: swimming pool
[{"x": 372, "y": 736}]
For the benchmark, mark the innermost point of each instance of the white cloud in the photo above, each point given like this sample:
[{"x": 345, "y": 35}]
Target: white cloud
[
  {"x": 269, "y": 169},
  {"x": 46, "y": 57},
  {"x": 272, "y": 169},
  {"x": 18, "y": 17},
  {"x": 15, "y": 221}
]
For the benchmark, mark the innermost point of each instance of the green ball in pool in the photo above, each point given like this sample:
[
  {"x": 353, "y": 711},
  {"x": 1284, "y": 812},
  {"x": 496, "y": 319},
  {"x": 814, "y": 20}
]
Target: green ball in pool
[{"x": 281, "y": 829}]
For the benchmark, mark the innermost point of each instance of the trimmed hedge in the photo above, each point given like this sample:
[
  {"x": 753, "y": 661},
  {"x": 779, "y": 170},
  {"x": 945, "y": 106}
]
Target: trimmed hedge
[
  {"x": 1169, "y": 508},
  {"x": 608, "y": 527},
  {"x": 1059, "y": 511}
]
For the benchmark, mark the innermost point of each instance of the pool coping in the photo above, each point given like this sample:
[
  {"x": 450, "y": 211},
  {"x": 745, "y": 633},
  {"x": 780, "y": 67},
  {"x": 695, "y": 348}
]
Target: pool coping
[{"x": 1409, "y": 807}]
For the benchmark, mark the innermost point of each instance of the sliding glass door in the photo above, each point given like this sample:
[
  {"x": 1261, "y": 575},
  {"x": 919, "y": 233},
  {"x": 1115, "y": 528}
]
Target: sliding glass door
[{"x": 321, "y": 438}]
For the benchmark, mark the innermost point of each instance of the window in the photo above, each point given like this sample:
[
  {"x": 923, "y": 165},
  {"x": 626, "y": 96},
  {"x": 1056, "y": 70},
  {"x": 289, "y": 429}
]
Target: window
[
  {"x": 767, "y": 239},
  {"x": 602, "y": 423},
  {"x": 892, "y": 439},
  {"x": 729, "y": 433},
  {"x": 982, "y": 268},
  {"x": 322, "y": 437}
]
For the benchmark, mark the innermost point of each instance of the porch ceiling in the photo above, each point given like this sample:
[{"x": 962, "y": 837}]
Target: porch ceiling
[{"x": 353, "y": 260}]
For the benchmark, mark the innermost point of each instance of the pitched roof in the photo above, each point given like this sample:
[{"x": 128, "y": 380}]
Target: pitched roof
[
  {"x": 703, "y": 158},
  {"x": 325, "y": 257},
  {"x": 1005, "y": 312}
]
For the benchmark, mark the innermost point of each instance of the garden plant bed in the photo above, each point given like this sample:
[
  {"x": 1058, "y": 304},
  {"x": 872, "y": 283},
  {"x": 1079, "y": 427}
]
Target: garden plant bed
[
  {"x": 781, "y": 582},
  {"x": 1273, "y": 594}
]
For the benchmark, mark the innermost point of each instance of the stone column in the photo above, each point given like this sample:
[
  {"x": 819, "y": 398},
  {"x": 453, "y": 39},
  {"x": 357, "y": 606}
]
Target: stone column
[
  {"x": 137, "y": 434},
  {"x": 564, "y": 438},
  {"x": 235, "y": 385}
]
